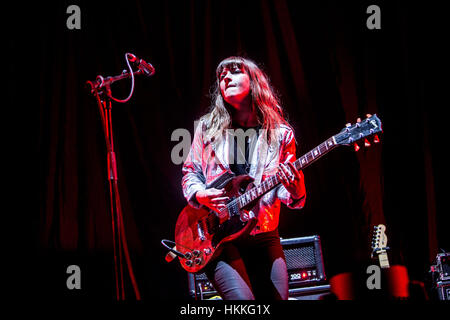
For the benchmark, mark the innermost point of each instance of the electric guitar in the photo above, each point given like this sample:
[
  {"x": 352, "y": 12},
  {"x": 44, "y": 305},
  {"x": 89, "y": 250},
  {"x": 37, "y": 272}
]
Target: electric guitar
[
  {"x": 379, "y": 245},
  {"x": 199, "y": 233}
]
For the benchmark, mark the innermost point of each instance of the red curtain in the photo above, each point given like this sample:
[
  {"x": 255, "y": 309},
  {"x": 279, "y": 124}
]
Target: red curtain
[{"x": 328, "y": 68}]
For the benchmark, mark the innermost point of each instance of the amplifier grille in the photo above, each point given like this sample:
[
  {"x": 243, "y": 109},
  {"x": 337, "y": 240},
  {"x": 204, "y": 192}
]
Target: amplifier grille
[{"x": 298, "y": 258}]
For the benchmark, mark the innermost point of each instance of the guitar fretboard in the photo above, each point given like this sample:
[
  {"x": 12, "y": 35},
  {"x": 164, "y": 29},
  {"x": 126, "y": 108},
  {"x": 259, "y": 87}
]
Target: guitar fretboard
[{"x": 272, "y": 181}]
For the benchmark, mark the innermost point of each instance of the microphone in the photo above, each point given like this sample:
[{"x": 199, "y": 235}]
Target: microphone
[{"x": 146, "y": 67}]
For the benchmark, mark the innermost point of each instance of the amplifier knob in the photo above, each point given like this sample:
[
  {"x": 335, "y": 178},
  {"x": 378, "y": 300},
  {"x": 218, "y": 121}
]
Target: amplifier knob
[
  {"x": 198, "y": 261},
  {"x": 188, "y": 255},
  {"x": 196, "y": 253},
  {"x": 189, "y": 263}
]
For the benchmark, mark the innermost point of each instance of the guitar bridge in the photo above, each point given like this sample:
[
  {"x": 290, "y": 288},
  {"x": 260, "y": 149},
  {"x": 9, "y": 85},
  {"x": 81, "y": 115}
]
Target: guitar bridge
[{"x": 200, "y": 231}]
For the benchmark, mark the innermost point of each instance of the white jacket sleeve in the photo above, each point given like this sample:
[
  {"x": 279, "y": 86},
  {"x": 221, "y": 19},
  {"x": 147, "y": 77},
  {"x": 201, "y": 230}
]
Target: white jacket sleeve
[{"x": 193, "y": 178}]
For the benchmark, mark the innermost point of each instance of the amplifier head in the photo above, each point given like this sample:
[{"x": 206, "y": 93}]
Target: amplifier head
[
  {"x": 443, "y": 264},
  {"x": 304, "y": 261}
]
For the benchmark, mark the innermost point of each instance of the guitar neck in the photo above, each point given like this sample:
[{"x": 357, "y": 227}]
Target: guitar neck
[
  {"x": 383, "y": 259},
  {"x": 301, "y": 163},
  {"x": 315, "y": 154}
]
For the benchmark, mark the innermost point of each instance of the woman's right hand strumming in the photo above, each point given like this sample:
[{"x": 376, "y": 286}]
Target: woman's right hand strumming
[{"x": 214, "y": 199}]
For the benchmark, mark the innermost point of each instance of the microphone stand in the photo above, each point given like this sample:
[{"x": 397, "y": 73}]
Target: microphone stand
[{"x": 101, "y": 89}]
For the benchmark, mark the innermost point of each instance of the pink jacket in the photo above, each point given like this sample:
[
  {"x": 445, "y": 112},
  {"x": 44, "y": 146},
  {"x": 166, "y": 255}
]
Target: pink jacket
[{"x": 207, "y": 161}]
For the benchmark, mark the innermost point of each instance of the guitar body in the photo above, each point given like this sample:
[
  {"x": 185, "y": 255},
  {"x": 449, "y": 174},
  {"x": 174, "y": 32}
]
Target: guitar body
[{"x": 199, "y": 235}]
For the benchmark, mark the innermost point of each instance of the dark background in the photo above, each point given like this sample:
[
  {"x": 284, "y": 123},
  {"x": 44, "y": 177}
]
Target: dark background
[{"x": 328, "y": 68}]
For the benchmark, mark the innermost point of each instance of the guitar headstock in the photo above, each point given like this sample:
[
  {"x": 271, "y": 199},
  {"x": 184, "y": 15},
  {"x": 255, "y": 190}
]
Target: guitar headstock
[
  {"x": 379, "y": 239},
  {"x": 360, "y": 130}
]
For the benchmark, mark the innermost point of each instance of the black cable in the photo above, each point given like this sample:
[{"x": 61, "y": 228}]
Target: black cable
[{"x": 178, "y": 253}]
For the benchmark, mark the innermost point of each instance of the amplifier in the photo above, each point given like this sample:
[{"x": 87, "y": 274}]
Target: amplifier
[
  {"x": 443, "y": 290},
  {"x": 440, "y": 275},
  {"x": 304, "y": 262},
  {"x": 443, "y": 266}
]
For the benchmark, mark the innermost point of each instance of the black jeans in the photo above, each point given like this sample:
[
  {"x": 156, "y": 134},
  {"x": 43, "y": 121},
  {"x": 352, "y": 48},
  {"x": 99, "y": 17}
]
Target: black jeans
[{"x": 252, "y": 267}]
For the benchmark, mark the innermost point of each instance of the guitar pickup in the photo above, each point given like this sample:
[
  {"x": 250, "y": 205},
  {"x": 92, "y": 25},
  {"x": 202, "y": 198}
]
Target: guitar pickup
[{"x": 233, "y": 209}]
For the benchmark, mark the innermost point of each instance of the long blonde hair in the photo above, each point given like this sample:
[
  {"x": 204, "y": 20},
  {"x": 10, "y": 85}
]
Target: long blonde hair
[{"x": 264, "y": 99}]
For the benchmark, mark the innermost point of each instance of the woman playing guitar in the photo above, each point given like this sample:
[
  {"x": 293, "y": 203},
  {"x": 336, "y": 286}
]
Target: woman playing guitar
[{"x": 253, "y": 265}]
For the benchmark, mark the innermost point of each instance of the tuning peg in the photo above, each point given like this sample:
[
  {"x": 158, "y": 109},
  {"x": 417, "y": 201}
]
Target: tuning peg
[
  {"x": 366, "y": 143},
  {"x": 376, "y": 139},
  {"x": 355, "y": 145}
]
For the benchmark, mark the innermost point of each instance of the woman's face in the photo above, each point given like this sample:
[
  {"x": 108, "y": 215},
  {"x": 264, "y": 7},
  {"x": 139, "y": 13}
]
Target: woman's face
[{"x": 234, "y": 85}]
